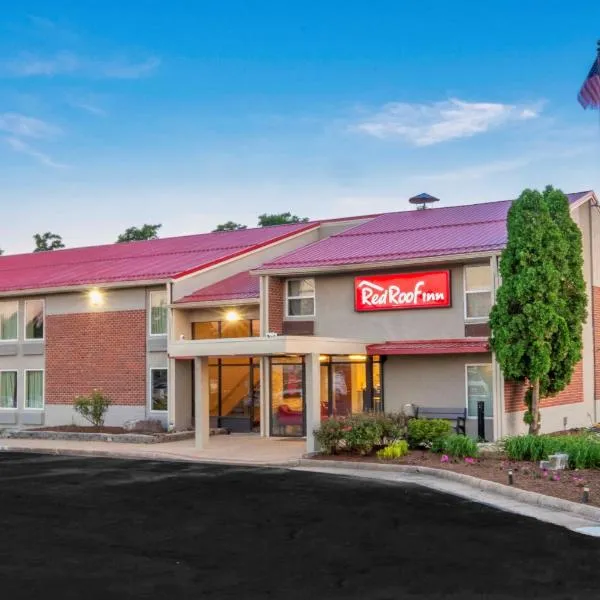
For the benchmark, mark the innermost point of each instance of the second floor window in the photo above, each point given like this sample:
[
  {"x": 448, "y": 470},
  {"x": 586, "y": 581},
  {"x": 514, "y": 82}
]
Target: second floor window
[
  {"x": 9, "y": 320},
  {"x": 34, "y": 319},
  {"x": 300, "y": 298},
  {"x": 158, "y": 313},
  {"x": 478, "y": 292}
]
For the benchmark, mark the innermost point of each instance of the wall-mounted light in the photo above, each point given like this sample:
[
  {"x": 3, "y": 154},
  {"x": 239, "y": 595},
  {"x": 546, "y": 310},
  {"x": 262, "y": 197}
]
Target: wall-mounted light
[
  {"x": 96, "y": 297},
  {"x": 232, "y": 315}
]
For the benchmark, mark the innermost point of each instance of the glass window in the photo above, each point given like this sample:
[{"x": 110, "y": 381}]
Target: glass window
[
  {"x": 479, "y": 388},
  {"x": 34, "y": 389},
  {"x": 34, "y": 319},
  {"x": 287, "y": 397},
  {"x": 349, "y": 385},
  {"x": 235, "y": 329},
  {"x": 158, "y": 313},
  {"x": 8, "y": 389},
  {"x": 158, "y": 389},
  {"x": 8, "y": 320},
  {"x": 478, "y": 291},
  {"x": 300, "y": 298},
  {"x": 255, "y": 326},
  {"x": 207, "y": 330}
]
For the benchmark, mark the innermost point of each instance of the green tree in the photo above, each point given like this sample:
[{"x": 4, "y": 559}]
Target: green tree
[
  {"x": 534, "y": 337},
  {"x": 47, "y": 241},
  {"x": 266, "y": 220},
  {"x": 136, "y": 234},
  {"x": 230, "y": 226}
]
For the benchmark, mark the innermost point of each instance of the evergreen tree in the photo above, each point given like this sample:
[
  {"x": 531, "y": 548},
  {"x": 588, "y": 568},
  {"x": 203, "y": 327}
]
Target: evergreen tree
[{"x": 540, "y": 307}]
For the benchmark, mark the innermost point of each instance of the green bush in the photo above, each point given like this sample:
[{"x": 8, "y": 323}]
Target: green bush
[
  {"x": 92, "y": 408},
  {"x": 395, "y": 450},
  {"x": 427, "y": 432},
  {"x": 459, "y": 446},
  {"x": 329, "y": 435},
  {"x": 362, "y": 434},
  {"x": 583, "y": 450}
]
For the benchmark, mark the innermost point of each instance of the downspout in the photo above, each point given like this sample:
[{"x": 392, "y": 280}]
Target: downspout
[
  {"x": 592, "y": 205},
  {"x": 498, "y": 378}
]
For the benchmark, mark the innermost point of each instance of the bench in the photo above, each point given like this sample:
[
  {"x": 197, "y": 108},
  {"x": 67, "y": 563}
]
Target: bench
[{"x": 458, "y": 415}]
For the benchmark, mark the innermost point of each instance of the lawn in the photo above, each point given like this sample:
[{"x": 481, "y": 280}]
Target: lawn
[{"x": 103, "y": 528}]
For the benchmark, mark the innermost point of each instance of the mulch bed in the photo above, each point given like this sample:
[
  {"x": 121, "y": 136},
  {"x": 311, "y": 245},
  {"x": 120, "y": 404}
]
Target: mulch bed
[
  {"x": 567, "y": 485},
  {"x": 90, "y": 429}
]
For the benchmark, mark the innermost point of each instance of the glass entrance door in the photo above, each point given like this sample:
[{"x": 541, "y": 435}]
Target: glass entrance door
[{"x": 287, "y": 396}]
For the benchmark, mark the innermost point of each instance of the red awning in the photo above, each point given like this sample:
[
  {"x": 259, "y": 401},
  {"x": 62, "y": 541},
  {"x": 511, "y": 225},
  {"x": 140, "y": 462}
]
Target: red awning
[{"x": 415, "y": 347}]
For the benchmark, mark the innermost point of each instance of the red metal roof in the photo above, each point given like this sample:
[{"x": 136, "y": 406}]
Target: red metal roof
[
  {"x": 409, "y": 234},
  {"x": 154, "y": 260},
  {"x": 237, "y": 287},
  {"x": 415, "y": 347}
]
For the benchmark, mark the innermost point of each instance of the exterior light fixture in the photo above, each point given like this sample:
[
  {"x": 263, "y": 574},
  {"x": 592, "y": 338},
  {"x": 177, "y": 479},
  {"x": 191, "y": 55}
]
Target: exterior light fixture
[
  {"x": 96, "y": 297},
  {"x": 232, "y": 315}
]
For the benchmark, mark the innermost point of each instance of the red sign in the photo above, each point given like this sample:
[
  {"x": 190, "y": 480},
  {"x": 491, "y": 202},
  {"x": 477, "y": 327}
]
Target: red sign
[{"x": 408, "y": 290}]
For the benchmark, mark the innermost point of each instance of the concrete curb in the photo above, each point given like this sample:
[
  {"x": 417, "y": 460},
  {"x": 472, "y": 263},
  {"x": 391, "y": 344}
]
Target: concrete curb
[
  {"x": 532, "y": 498},
  {"x": 152, "y": 456},
  {"x": 123, "y": 438}
]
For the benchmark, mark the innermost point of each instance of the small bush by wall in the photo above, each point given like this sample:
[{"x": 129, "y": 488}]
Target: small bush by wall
[{"x": 425, "y": 433}]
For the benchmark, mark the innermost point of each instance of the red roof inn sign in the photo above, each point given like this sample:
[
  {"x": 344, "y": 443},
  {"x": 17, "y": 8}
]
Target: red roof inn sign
[{"x": 404, "y": 291}]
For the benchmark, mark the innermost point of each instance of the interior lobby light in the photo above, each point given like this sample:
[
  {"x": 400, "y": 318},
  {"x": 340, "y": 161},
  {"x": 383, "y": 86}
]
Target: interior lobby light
[
  {"x": 96, "y": 297},
  {"x": 357, "y": 357},
  {"x": 232, "y": 315}
]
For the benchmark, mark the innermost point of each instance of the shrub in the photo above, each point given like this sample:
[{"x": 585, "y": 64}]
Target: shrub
[
  {"x": 583, "y": 450},
  {"x": 459, "y": 446},
  {"x": 393, "y": 426},
  {"x": 362, "y": 434},
  {"x": 395, "y": 450},
  {"x": 329, "y": 435},
  {"x": 92, "y": 408},
  {"x": 427, "y": 432}
]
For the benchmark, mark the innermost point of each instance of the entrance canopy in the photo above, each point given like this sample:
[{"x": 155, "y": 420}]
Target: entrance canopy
[{"x": 265, "y": 346}]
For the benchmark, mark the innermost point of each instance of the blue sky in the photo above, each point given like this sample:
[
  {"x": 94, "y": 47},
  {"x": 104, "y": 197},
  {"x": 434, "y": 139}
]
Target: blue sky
[{"x": 193, "y": 113}]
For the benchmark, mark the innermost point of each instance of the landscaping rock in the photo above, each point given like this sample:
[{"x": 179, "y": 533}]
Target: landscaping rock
[{"x": 144, "y": 425}]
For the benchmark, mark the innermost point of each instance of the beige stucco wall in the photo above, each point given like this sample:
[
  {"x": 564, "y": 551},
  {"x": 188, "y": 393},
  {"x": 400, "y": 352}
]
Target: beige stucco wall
[
  {"x": 114, "y": 300},
  {"x": 336, "y": 317},
  {"x": 431, "y": 381}
]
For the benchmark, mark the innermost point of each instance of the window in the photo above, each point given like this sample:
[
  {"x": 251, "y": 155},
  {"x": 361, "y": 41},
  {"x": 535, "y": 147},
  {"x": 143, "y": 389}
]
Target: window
[
  {"x": 300, "y": 298},
  {"x": 158, "y": 313},
  {"x": 478, "y": 291},
  {"x": 8, "y": 321},
  {"x": 479, "y": 388},
  {"x": 158, "y": 389},
  {"x": 8, "y": 389},
  {"x": 34, "y": 389},
  {"x": 34, "y": 319},
  {"x": 212, "y": 330}
]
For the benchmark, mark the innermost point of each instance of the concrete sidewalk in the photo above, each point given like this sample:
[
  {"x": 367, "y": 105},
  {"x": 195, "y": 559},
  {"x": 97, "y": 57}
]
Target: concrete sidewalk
[{"x": 235, "y": 449}]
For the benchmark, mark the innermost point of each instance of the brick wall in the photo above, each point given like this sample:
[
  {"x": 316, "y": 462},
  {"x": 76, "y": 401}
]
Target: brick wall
[
  {"x": 514, "y": 393},
  {"x": 596, "y": 324},
  {"x": 275, "y": 323},
  {"x": 104, "y": 350}
]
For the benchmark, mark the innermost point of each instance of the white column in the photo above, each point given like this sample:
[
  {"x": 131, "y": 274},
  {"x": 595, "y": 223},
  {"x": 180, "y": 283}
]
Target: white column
[
  {"x": 497, "y": 377},
  {"x": 202, "y": 399},
  {"x": 172, "y": 403},
  {"x": 265, "y": 394},
  {"x": 313, "y": 399}
]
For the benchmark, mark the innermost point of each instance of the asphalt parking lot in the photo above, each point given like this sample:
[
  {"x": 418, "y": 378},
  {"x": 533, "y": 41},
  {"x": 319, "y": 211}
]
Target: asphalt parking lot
[{"x": 111, "y": 528}]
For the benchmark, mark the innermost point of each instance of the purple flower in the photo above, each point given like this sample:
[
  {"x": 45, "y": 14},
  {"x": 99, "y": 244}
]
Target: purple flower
[
  {"x": 444, "y": 458},
  {"x": 470, "y": 461}
]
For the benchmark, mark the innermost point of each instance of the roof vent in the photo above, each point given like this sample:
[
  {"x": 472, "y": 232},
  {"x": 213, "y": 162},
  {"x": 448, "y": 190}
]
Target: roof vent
[{"x": 422, "y": 201}]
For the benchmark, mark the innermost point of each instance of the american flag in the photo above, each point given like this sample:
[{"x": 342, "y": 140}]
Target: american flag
[{"x": 589, "y": 94}]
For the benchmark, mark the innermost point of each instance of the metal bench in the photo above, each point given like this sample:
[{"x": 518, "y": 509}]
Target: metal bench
[{"x": 458, "y": 415}]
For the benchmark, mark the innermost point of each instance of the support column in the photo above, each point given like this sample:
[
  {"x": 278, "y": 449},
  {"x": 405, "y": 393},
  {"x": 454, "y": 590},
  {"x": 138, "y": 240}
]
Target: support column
[
  {"x": 312, "y": 387},
  {"x": 202, "y": 400},
  {"x": 265, "y": 395},
  {"x": 172, "y": 407}
]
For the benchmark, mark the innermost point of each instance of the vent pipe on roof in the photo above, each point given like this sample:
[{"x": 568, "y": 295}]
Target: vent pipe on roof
[{"x": 422, "y": 201}]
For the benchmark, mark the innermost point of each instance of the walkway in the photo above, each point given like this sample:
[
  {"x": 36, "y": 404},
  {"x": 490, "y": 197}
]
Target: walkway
[{"x": 235, "y": 449}]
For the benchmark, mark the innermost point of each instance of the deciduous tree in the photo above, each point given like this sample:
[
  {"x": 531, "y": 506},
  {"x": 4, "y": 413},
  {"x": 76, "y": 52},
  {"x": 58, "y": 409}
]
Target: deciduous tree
[
  {"x": 45, "y": 242},
  {"x": 136, "y": 234}
]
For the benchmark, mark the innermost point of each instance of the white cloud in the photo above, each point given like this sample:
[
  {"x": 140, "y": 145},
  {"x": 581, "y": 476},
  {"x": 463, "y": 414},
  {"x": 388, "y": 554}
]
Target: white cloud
[
  {"x": 428, "y": 124},
  {"x": 23, "y": 126},
  {"x": 19, "y": 145},
  {"x": 88, "y": 106},
  {"x": 68, "y": 63}
]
